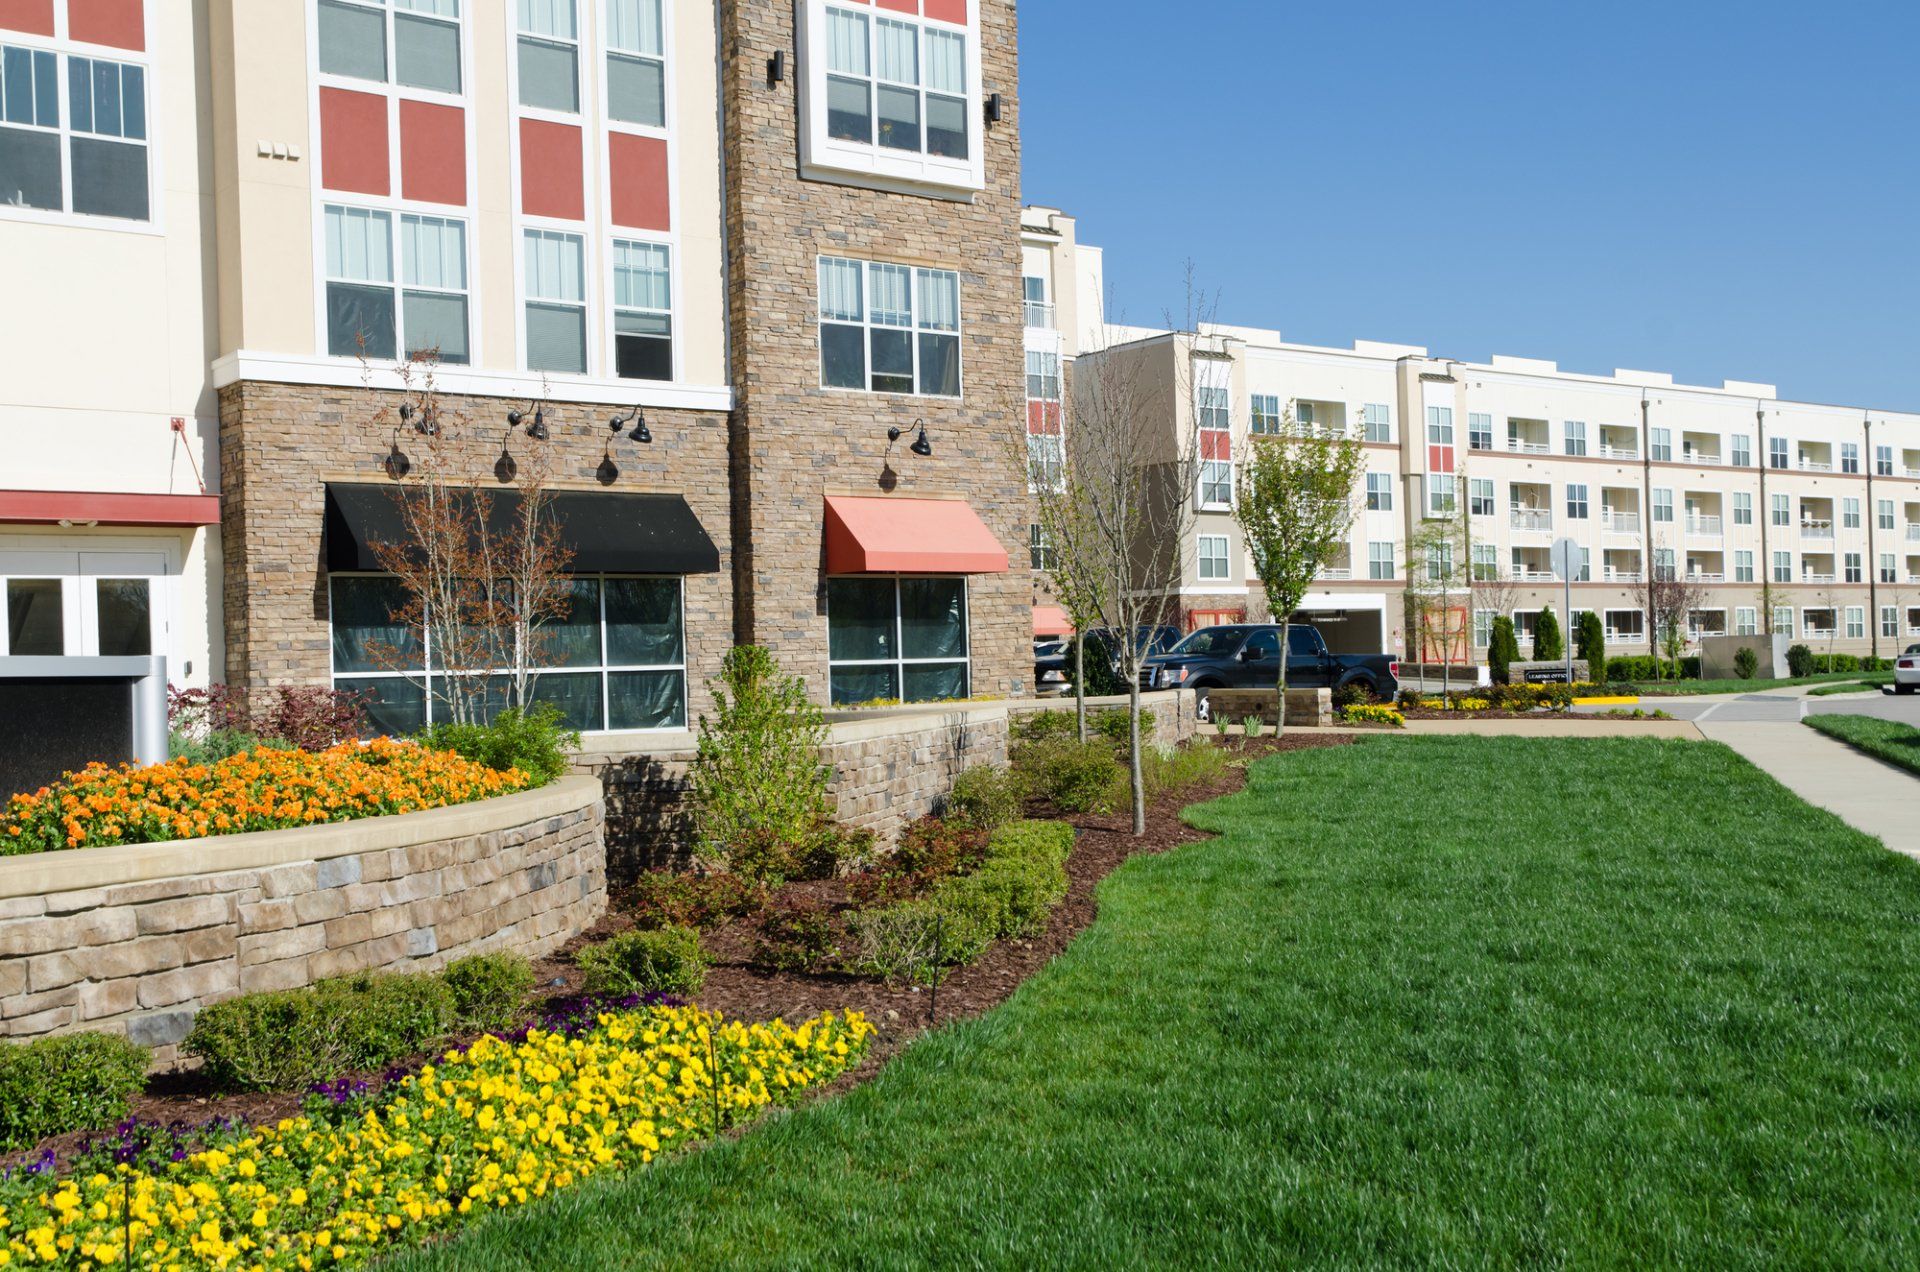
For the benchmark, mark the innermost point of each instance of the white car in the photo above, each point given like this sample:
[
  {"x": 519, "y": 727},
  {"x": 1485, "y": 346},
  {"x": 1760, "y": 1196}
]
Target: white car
[{"x": 1906, "y": 670}]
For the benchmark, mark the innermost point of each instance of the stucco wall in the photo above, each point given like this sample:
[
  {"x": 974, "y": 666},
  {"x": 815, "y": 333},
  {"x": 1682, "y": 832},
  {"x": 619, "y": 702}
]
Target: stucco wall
[{"x": 137, "y": 940}]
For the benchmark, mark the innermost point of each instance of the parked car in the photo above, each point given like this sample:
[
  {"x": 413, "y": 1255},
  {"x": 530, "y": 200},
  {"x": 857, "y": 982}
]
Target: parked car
[
  {"x": 1245, "y": 656},
  {"x": 1906, "y": 670},
  {"x": 1050, "y": 661}
]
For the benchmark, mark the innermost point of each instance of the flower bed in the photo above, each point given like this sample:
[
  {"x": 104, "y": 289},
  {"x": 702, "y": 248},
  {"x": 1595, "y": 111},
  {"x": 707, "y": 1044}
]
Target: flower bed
[
  {"x": 264, "y": 789},
  {"x": 488, "y": 1128}
]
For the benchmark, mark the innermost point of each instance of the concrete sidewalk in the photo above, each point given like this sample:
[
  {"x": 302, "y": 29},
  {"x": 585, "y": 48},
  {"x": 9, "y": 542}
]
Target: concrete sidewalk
[{"x": 1878, "y": 798}]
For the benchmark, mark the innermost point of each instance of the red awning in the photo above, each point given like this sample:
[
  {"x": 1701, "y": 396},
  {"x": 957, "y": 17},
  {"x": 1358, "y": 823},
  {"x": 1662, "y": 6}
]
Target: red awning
[
  {"x": 51, "y": 507},
  {"x": 870, "y": 535},
  {"x": 1051, "y": 620}
]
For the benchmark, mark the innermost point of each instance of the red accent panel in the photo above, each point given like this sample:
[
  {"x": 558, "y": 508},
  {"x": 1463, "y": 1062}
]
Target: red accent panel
[
  {"x": 901, "y": 6},
  {"x": 551, "y": 183},
  {"x": 1439, "y": 459},
  {"x": 50, "y": 507},
  {"x": 948, "y": 10},
  {"x": 32, "y": 16},
  {"x": 433, "y": 152},
  {"x": 878, "y": 535},
  {"x": 1043, "y": 418},
  {"x": 641, "y": 191},
  {"x": 1216, "y": 443},
  {"x": 353, "y": 142},
  {"x": 120, "y": 23}
]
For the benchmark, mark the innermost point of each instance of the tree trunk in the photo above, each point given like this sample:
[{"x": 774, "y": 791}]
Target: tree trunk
[
  {"x": 1280, "y": 698},
  {"x": 1080, "y": 682},
  {"x": 1446, "y": 652},
  {"x": 1138, "y": 781}
]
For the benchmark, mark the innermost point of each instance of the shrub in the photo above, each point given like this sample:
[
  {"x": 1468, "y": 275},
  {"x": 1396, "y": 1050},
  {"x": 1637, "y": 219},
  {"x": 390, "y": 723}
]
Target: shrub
[
  {"x": 1377, "y": 715},
  {"x": 1171, "y": 770},
  {"x": 1590, "y": 643},
  {"x": 1075, "y": 777},
  {"x": 1354, "y": 694},
  {"x": 663, "y": 898},
  {"x": 1547, "y": 644},
  {"x": 309, "y": 717},
  {"x": 535, "y": 742},
  {"x": 796, "y": 938},
  {"x": 762, "y": 854},
  {"x": 758, "y": 766},
  {"x": 1035, "y": 726},
  {"x": 932, "y": 848},
  {"x": 1114, "y": 727},
  {"x": 489, "y": 990},
  {"x": 895, "y": 942},
  {"x": 1799, "y": 661},
  {"x": 214, "y": 745},
  {"x": 985, "y": 797},
  {"x": 72, "y": 1082},
  {"x": 1102, "y": 680},
  {"x": 666, "y": 960},
  {"x": 287, "y": 1039},
  {"x": 1746, "y": 663},
  {"x": 1644, "y": 667},
  {"x": 832, "y": 851},
  {"x": 1503, "y": 649}
]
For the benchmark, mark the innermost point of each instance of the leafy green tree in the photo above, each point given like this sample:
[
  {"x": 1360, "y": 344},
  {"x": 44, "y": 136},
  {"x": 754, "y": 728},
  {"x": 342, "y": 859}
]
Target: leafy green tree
[
  {"x": 1547, "y": 644},
  {"x": 1503, "y": 649},
  {"x": 1590, "y": 643},
  {"x": 757, "y": 773}
]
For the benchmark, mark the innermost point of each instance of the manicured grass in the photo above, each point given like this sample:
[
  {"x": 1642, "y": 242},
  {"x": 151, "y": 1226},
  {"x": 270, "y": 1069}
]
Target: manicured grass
[
  {"x": 1888, "y": 740},
  {"x": 1441, "y": 1002},
  {"x": 1690, "y": 688},
  {"x": 1855, "y": 686}
]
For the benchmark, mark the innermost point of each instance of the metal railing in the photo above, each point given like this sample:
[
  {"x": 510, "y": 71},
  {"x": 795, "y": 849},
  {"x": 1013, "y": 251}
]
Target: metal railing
[
  {"x": 1808, "y": 576},
  {"x": 1816, "y": 529},
  {"x": 1703, "y": 576},
  {"x": 1479, "y": 441},
  {"x": 1814, "y": 466},
  {"x": 1530, "y": 519},
  {"x": 1701, "y": 457},
  {"x": 1619, "y": 522},
  {"x": 1533, "y": 576},
  {"x": 1040, "y": 314},
  {"x": 1913, "y": 532},
  {"x": 1618, "y": 452},
  {"x": 1624, "y": 576},
  {"x": 1913, "y": 472},
  {"x": 1529, "y": 448},
  {"x": 1703, "y": 523}
]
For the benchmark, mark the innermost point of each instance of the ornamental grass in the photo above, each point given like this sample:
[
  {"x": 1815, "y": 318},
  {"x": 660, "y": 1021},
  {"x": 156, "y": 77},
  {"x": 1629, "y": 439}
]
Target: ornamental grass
[
  {"x": 489, "y": 1128},
  {"x": 264, "y": 789}
]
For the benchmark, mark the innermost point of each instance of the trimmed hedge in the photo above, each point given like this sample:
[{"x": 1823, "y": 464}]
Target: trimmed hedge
[
  {"x": 73, "y": 1082},
  {"x": 288, "y": 1039},
  {"x": 489, "y": 990},
  {"x": 666, "y": 960}
]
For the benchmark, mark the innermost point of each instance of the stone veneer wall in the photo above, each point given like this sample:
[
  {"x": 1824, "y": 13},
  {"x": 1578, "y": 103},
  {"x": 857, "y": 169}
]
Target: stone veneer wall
[
  {"x": 280, "y": 444},
  {"x": 137, "y": 940},
  {"x": 794, "y": 442}
]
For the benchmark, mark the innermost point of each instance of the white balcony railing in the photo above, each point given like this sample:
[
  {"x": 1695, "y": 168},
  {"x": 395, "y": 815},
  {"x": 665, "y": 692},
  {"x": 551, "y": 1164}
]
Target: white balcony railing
[
  {"x": 1040, "y": 314},
  {"x": 1619, "y": 522},
  {"x": 1335, "y": 573},
  {"x": 1524, "y": 575},
  {"x": 1913, "y": 532},
  {"x": 1814, "y": 466},
  {"x": 1524, "y": 447},
  {"x": 1913, "y": 472},
  {"x": 1615, "y": 636},
  {"x": 1816, "y": 529},
  {"x": 1808, "y": 576},
  {"x": 1703, "y": 523},
  {"x": 1701, "y": 457},
  {"x": 1619, "y": 452},
  {"x": 1705, "y": 576},
  {"x": 1530, "y": 519},
  {"x": 1817, "y": 633},
  {"x": 1624, "y": 576}
]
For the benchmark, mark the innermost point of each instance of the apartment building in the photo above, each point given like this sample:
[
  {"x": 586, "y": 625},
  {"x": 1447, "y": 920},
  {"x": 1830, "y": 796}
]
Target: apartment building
[
  {"x": 1790, "y": 517},
  {"x": 747, "y": 269}
]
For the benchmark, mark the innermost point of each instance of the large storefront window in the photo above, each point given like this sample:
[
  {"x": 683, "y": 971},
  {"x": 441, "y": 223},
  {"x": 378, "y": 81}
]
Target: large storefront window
[
  {"x": 615, "y": 661},
  {"x": 897, "y": 638}
]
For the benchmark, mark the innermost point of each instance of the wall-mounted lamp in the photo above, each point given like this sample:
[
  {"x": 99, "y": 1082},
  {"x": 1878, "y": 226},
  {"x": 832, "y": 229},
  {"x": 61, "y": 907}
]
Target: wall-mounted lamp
[
  {"x": 536, "y": 427},
  {"x": 396, "y": 463},
  {"x": 641, "y": 433},
  {"x": 921, "y": 446},
  {"x": 777, "y": 67},
  {"x": 992, "y": 108},
  {"x": 427, "y": 425}
]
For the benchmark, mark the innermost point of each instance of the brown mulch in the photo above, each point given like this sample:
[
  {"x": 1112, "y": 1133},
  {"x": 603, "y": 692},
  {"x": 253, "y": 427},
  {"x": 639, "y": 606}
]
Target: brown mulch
[
  {"x": 899, "y": 1012},
  {"x": 1428, "y": 713}
]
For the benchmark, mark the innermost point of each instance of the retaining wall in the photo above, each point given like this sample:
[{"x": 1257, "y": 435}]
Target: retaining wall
[{"x": 137, "y": 939}]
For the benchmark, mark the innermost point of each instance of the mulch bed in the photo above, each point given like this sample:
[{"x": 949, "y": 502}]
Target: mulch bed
[
  {"x": 899, "y": 1012},
  {"x": 1428, "y": 713}
]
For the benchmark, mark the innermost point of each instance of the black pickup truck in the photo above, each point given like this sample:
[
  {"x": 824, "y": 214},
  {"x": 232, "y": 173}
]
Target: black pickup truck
[{"x": 1245, "y": 656}]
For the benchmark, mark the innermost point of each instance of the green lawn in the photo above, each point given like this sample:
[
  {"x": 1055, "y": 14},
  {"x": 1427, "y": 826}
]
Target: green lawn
[
  {"x": 1870, "y": 685},
  {"x": 1888, "y": 740},
  {"x": 1435, "y": 1001},
  {"x": 1689, "y": 688}
]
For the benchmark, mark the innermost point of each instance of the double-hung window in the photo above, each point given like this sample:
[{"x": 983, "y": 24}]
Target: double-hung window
[
  {"x": 1663, "y": 563},
  {"x": 1782, "y": 510},
  {"x": 1742, "y": 451},
  {"x": 1849, "y": 457},
  {"x": 361, "y": 308},
  {"x": 1439, "y": 562},
  {"x": 642, "y": 310},
  {"x": 1379, "y": 492},
  {"x": 423, "y": 34},
  {"x": 1742, "y": 508},
  {"x": 1890, "y": 620},
  {"x": 1856, "y": 622},
  {"x": 1746, "y": 621},
  {"x": 1883, "y": 461},
  {"x": 1743, "y": 566},
  {"x": 1783, "y": 567},
  {"x": 1043, "y": 376},
  {"x": 1479, "y": 431},
  {"x": 1481, "y": 497},
  {"x": 1379, "y": 560},
  {"x": 636, "y": 63},
  {"x": 1888, "y": 571},
  {"x": 1855, "y": 570},
  {"x": 1483, "y": 627},
  {"x": 1486, "y": 562},
  {"x": 899, "y": 94},
  {"x": 1266, "y": 416},
  {"x": 1046, "y": 461},
  {"x": 1660, "y": 447},
  {"x": 899, "y": 639},
  {"x": 30, "y": 129},
  {"x": 1213, "y": 558},
  {"x": 889, "y": 328},
  {"x": 1576, "y": 437},
  {"x": 548, "y": 55},
  {"x": 1662, "y": 505},
  {"x": 1850, "y": 514},
  {"x": 1776, "y": 452},
  {"x": 1377, "y": 422},
  {"x": 1782, "y": 620},
  {"x": 1216, "y": 483},
  {"x": 433, "y": 291},
  {"x": 1883, "y": 513},
  {"x": 1039, "y": 547},
  {"x": 556, "y": 308},
  {"x": 1576, "y": 501},
  {"x": 107, "y": 163}
]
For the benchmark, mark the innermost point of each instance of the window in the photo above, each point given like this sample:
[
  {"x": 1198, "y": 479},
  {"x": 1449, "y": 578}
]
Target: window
[
  {"x": 1486, "y": 562},
  {"x": 1046, "y": 461},
  {"x": 1379, "y": 560},
  {"x": 1662, "y": 505},
  {"x": 1783, "y": 620},
  {"x": 1746, "y": 621},
  {"x": 1379, "y": 427},
  {"x": 889, "y": 328},
  {"x": 1782, "y": 510},
  {"x": 1266, "y": 416},
  {"x": 1379, "y": 492},
  {"x": 1661, "y": 445},
  {"x": 106, "y": 135},
  {"x": 898, "y": 83},
  {"x": 1783, "y": 567},
  {"x": 433, "y": 279},
  {"x": 1743, "y": 567},
  {"x": 30, "y": 129},
  {"x": 1483, "y": 627},
  {"x": 1742, "y": 451},
  {"x": 1883, "y": 513},
  {"x": 614, "y": 660},
  {"x": 1585, "y": 573},
  {"x": 1576, "y": 437},
  {"x": 1039, "y": 548},
  {"x": 1663, "y": 567},
  {"x": 1626, "y": 625},
  {"x": 636, "y": 63},
  {"x": 1742, "y": 508},
  {"x": 1849, "y": 457},
  {"x": 1888, "y": 570},
  {"x": 1856, "y": 622},
  {"x": 1439, "y": 562},
  {"x": 1890, "y": 620},
  {"x": 549, "y": 55},
  {"x": 1213, "y": 406},
  {"x": 1850, "y": 514},
  {"x": 1480, "y": 431},
  {"x": 1776, "y": 452},
  {"x": 1216, "y": 483},
  {"x": 1043, "y": 375},
  {"x": 1883, "y": 461},
  {"x": 1855, "y": 571},
  {"x": 360, "y": 294},
  {"x": 556, "y": 308},
  {"x": 425, "y": 41},
  {"x": 1524, "y": 622},
  {"x": 1039, "y": 313},
  {"x": 1441, "y": 494},
  {"x": 1213, "y": 557},
  {"x": 902, "y": 639},
  {"x": 642, "y": 311},
  {"x": 1480, "y": 496},
  {"x": 1576, "y": 501}
]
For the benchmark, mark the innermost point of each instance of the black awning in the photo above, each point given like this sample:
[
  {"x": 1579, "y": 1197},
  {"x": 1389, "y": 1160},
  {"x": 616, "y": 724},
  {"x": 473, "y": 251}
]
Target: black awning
[{"x": 611, "y": 532}]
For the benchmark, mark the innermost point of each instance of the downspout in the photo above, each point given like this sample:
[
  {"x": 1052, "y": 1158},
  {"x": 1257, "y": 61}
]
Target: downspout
[
  {"x": 1764, "y": 513},
  {"x": 1873, "y": 521},
  {"x": 1646, "y": 522}
]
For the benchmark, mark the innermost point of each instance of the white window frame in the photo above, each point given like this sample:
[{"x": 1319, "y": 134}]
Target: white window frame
[
  {"x": 1890, "y": 621},
  {"x": 390, "y": 11},
  {"x": 1742, "y": 456},
  {"x": 1215, "y": 475},
  {"x": 1849, "y": 513},
  {"x": 1746, "y": 620},
  {"x": 1376, "y": 422},
  {"x": 1662, "y": 503},
  {"x": 1483, "y": 498},
  {"x": 1214, "y": 558},
  {"x": 1660, "y": 445},
  {"x": 1380, "y": 561},
  {"x": 1483, "y": 627},
  {"x": 1485, "y": 556},
  {"x": 1782, "y": 567},
  {"x": 1856, "y": 621},
  {"x": 79, "y": 570},
  {"x": 1265, "y": 414},
  {"x": 1575, "y": 432},
  {"x": 1889, "y": 568},
  {"x": 1046, "y": 462},
  {"x": 1883, "y": 461},
  {"x": 1883, "y": 514},
  {"x": 1379, "y": 492},
  {"x": 826, "y": 158},
  {"x": 1580, "y": 501},
  {"x": 901, "y": 663},
  {"x": 1040, "y": 556},
  {"x": 614, "y": 308},
  {"x": 1743, "y": 566},
  {"x": 1850, "y": 457},
  {"x": 1853, "y": 567},
  {"x": 914, "y": 330},
  {"x": 1780, "y": 510},
  {"x": 520, "y": 32},
  {"x": 1742, "y": 508},
  {"x": 1525, "y": 623},
  {"x": 1479, "y": 430},
  {"x": 1783, "y": 620},
  {"x": 63, "y": 51},
  {"x": 1615, "y": 632},
  {"x": 1779, "y": 453},
  {"x": 608, "y": 52},
  {"x": 586, "y": 304}
]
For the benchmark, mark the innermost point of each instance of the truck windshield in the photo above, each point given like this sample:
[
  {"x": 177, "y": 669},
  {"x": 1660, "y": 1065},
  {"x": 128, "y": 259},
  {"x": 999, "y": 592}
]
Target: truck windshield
[{"x": 1211, "y": 642}]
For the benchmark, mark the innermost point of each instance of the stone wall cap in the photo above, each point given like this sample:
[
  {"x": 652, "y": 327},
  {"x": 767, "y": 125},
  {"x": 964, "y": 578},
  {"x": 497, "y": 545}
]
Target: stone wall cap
[{"x": 40, "y": 873}]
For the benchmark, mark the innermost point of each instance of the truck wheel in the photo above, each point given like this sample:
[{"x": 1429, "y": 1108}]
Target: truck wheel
[{"x": 1202, "y": 711}]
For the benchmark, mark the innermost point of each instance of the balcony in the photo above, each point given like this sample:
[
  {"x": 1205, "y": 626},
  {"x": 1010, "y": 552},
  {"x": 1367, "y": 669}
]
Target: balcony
[
  {"x": 1808, "y": 576},
  {"x": 1913, "y": 532},
  {"x": 1040, "y": 314},
  {"x": 1619, "y": 522},
  {"x": 1334, "y": 574},
  {"x": 1913, "y": 472},
  {"x": 1816, "y": 529},
  {"x": 1814, "y": 465},
  {"x": 1704, "y": 524},
  {"x": 1523, "y": 447},
  {"x": 1624, "y": 576},
  {"x": 1608, "y": 451},
  {"x": 1531, "y": 519},
  {"x": 1700, "y": 457},
  {"x": 1704, "y": 576},
  {"x": 1526, "y": 574}
]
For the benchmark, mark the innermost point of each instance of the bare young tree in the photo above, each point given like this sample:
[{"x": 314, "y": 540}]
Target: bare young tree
[
  {"x": 1831, "y": 600},
  {"x": 1438, "y": 575},
  {"x": 1071, "y": 561},
  {"x": 1671, "y": 599}
]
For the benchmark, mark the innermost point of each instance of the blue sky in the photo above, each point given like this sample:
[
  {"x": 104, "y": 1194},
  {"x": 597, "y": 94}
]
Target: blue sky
[{"x": 1718, "y": 190}]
